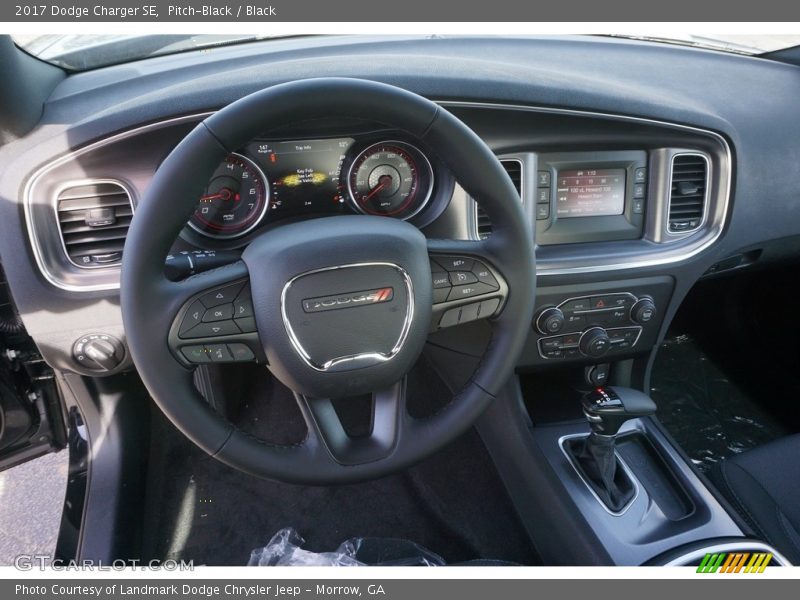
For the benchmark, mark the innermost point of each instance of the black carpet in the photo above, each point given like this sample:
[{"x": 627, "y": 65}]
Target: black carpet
[{"x": 197, "y": 508}]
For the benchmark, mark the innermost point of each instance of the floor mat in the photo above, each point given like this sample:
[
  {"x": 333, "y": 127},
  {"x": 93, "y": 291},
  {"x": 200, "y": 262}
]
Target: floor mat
[
  {"x": 453, "y": 504},
  {"x": 710, "y": 416}
]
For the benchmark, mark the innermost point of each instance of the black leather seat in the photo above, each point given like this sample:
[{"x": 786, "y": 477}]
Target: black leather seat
[{"x": 764, "y": 486}]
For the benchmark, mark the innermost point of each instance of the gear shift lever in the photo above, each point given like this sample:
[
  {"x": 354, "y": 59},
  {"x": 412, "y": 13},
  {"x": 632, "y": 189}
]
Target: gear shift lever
[{"x": 607, "y": 409}]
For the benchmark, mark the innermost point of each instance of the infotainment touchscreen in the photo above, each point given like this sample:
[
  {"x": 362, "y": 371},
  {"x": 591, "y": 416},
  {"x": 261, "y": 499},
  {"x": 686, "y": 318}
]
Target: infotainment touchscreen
[{"x": 590, "y": 192}]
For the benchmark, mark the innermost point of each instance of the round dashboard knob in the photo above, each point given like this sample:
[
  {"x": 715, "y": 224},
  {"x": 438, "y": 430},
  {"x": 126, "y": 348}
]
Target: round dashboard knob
[
  {"x": 594, "y": 342},
  {"x": 98, "y": 352},
  {"x": 550, "y": 321},
  {"x": 643, "y": 311}
]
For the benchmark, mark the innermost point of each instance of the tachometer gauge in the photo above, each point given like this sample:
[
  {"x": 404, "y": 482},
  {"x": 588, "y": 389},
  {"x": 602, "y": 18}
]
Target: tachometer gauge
[
  {"x": 392, "y": 179},
  {"x": 235, "y": 200}
]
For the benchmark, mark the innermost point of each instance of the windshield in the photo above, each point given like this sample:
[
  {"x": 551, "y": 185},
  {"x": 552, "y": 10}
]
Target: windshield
[{"x": 83, "y": 52}]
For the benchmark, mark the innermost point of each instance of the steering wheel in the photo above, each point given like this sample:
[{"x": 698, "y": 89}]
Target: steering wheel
[{"x": 341, "y": 306}]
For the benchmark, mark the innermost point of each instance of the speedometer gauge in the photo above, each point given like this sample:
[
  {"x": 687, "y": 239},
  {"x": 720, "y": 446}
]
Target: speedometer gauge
[
  {"x": 235, "y": 200},
  {"x": 392, "y": 179}
]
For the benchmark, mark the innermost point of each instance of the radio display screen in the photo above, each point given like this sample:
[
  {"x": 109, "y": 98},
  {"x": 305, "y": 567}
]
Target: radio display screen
[{"x": 590, "y": 193}]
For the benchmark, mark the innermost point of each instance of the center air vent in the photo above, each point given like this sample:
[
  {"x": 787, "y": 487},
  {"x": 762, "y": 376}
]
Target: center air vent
[
  {"x": 687, "y": 201},
  {"x": 514, "y": 170},
  {"x": 94, "y": 219}
]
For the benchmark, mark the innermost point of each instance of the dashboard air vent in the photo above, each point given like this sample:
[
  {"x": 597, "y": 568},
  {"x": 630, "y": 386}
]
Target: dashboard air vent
[
  {"x": 514, "y": 170},
  {"x": 94, "y": 219},
  {"x": 687, "y": 201}
]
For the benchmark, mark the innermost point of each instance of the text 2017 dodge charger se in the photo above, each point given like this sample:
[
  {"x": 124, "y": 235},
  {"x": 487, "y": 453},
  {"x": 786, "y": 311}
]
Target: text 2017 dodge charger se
[{"x": 512, "y": 300}]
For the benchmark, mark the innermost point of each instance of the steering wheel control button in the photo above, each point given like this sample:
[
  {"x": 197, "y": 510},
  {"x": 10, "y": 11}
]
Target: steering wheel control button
[
  {"x": 241, "y": 352},
  {"x": 455, "y": 263},
  {"x": 440, "y": 280},
  {"x": 246, "y": 325},
  {"x": 460, "y": 292},
  {"x": 224, "y": 295},
  {"x": 462, "y": 277},
  {"x": 216, "y": 329},
  {"x": 194, "y": 316},
  {"x": 196, "y": 354},
  {"x": 450, "y": 318},
  {"x": 218, "y": 313},
  {"x": 488, "y": 308},
  {"x": 219, "y": 353},
  {"x": 484, "y": 275}
]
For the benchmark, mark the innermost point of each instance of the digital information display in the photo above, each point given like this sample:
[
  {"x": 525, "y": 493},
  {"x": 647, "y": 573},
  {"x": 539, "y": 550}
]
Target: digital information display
[
  {"x": 305, "y": 175},
  {"x": 590, "y": 193}
]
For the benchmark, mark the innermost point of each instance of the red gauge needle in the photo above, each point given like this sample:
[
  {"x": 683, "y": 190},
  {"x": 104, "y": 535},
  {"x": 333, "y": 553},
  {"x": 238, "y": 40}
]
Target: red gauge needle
[
  {"x": 223, "y": 194},
  {"x": 382, "y": 183}
]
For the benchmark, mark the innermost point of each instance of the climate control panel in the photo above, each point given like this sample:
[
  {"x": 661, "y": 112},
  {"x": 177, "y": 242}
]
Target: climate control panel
[{"x": 594, "y": 326}]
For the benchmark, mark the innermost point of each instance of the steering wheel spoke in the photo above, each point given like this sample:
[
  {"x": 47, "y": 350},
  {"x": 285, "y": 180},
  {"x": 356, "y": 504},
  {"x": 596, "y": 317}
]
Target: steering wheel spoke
[
  {"x": 215, "y": 322},
  {"x": 467, "y": 287},
  {"x": 389, "y": 419}
]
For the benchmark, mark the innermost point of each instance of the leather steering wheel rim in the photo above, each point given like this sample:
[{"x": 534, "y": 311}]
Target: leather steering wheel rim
[{"x": 150, "y": 302}]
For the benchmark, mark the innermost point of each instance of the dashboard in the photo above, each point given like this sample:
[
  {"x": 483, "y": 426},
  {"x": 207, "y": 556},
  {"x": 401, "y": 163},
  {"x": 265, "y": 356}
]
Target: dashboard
[{"x": 635, "y": 186}]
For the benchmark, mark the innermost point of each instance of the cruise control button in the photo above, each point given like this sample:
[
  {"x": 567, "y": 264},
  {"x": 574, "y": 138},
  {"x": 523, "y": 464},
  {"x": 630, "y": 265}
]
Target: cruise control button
[
  {"x": 440, "y": 280},
  {"x": 196, "y": 354},
  {"x": 213, "y": 329},
  {"x": 224, "y": 295},
  {"x": 219, "y": 353},
  {"x": 241, "y": 352},
  {"x": 468, "y": 291},
  {"x": 218, "y": 313},
  {"x": 193, "y": 316},
  {"x": 455, "y": 263},
  {"x": 484, "y": 275},
  {"x": 462, "y": 277},
  {"x": 242, "y": 308},
  {"x": 246, "y": 325}
]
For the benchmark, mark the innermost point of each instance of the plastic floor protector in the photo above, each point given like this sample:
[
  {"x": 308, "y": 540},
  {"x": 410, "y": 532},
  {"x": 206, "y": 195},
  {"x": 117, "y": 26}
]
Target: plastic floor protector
[{"x": 707, "y": 414}]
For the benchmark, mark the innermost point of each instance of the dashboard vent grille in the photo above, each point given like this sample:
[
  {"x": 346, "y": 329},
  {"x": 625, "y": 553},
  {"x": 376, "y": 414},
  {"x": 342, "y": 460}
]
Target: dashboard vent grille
[
  {"x": 94, "y": 220},
  {"x": 687, "y": 201},
  {"x": 514, "y": 170}
]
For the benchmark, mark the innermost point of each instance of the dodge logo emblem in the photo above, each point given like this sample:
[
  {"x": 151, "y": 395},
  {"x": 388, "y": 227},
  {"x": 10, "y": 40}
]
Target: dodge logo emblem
[{"x": 348, "y": 300}]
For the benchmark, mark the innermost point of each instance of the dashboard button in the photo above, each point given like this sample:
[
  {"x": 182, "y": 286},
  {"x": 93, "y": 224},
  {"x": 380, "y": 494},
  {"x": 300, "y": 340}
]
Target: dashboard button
[
  {"x": 543, "y": 179},
  {"x": 218, "y": 313},
  {"x": 440, "y": 280},
  {"x": 462, "y": 277},
  {"x": 542, "y": 212},
  {"x": 241, "y": 352},
  {"x": 576, "y": 305},
  {"x": 553, "y": 353},
  {"x": 455, "y": 263},
  {"x": 553, "y": 343},
  {"x": 468, "y": 291},
  {"x": 484, "y": 275},
  {"x": 640, "y": 175},
  {"x": 638, "y": 190},
  {"x": 570, "y": 339},
  {"x": 637, "y": 206},
  {"x": 196, "y": 354},
  {"x": 618, "y": 315},
  {"x": 224, "y": 295},
  {"x": 193, "y": 316},
  {"x": 543, "y": 195},
  {"x": 575, "y": 321},
  {"x": 212, "y": 329}
]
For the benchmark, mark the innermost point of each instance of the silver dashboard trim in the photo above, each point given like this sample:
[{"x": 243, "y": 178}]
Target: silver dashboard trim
[
  {"x": 521, "y": 189},
  {"x": 632, "y": 263},
  {"x": 371, "y": 358},
  {"x": 541, "y": 269}
]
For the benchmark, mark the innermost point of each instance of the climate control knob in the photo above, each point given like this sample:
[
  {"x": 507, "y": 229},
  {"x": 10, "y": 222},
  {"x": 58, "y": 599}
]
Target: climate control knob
[
  {"x": 643, "y": 311},
  {"x": 594, "y": 342},
  {"x": 550, "y": 321}
]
